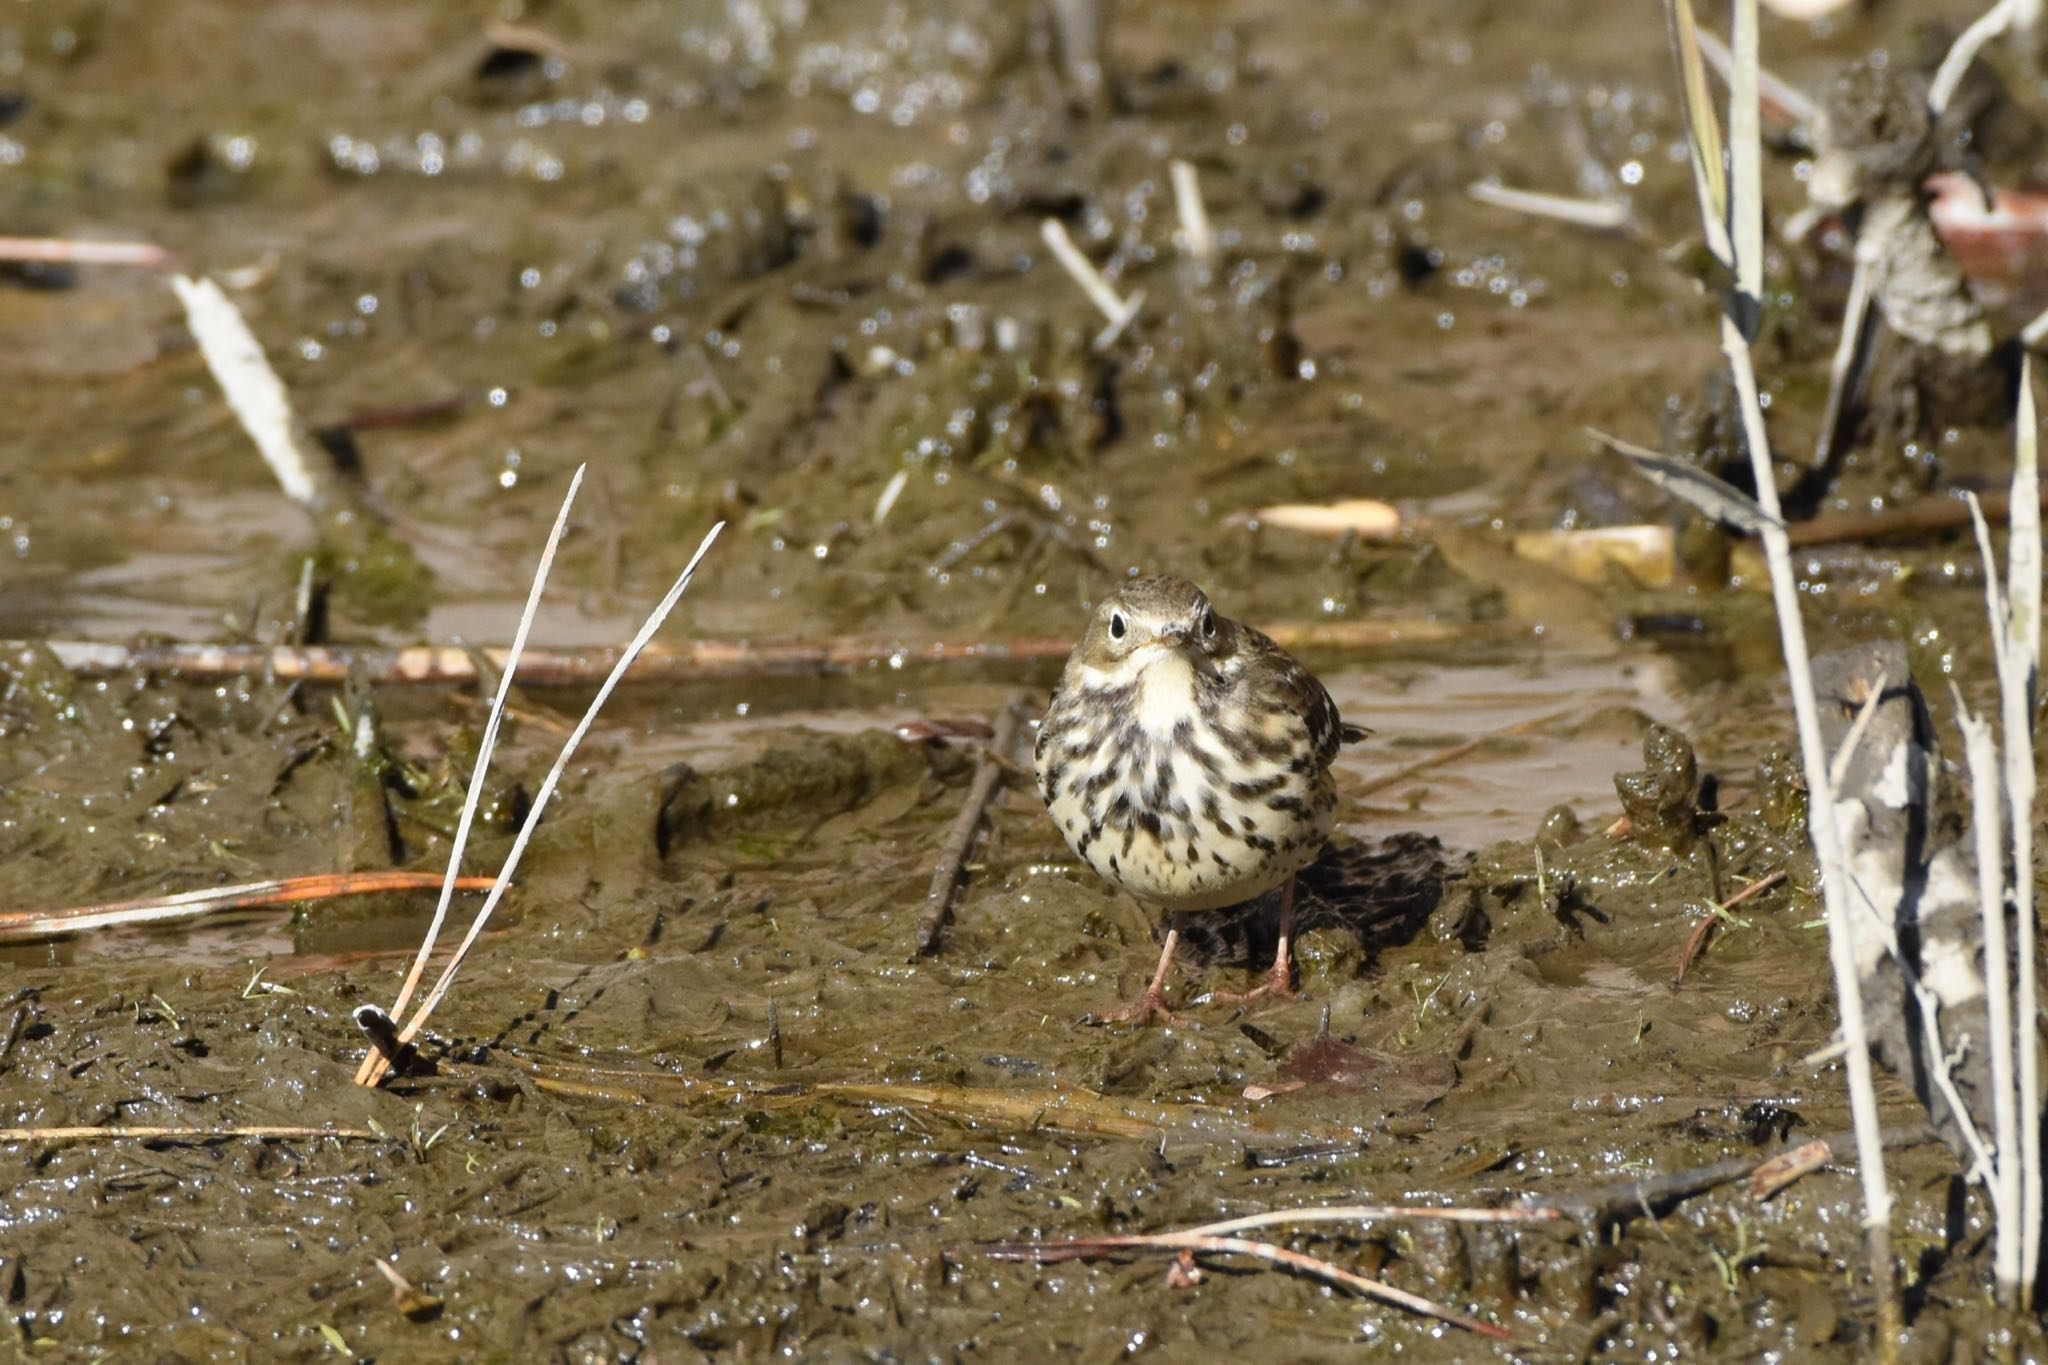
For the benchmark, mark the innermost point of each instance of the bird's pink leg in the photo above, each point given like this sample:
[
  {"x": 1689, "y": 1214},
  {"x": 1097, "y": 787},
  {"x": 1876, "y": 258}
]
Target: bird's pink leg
[
  {"x": 1279, "y": 982},
  {"x": 1152, "y": 1004}
]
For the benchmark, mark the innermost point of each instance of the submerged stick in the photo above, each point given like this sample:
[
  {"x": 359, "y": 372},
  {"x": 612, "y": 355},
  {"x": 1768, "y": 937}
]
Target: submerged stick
[
  {"x": 988, "y": 780},
  {"x": 447, "y": 664},
  {"x": 1300, "y": 1262},
  {"x": 28, "y": 926}
]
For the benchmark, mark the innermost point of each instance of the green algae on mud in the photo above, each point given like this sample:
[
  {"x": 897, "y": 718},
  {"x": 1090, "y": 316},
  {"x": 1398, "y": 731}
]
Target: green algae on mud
[{"x": 757, "y": 262}]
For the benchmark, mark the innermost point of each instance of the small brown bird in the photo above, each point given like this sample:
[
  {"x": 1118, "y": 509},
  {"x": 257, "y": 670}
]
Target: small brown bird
[{"x": 1186, "y": 758}]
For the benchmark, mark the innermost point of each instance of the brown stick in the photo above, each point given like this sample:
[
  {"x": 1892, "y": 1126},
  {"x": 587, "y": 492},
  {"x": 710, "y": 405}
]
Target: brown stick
[
  {"x": 988, "y": 780},
  {"x": 1942, "y": 513},
  {"x": 1700, "y": 933},
  {"x": 27, "y": 926},
  {"x": 697, "y": 659}
]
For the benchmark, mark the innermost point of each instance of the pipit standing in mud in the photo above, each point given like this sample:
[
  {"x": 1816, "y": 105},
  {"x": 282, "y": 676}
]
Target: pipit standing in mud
[{"x": 1186, "y": 758}]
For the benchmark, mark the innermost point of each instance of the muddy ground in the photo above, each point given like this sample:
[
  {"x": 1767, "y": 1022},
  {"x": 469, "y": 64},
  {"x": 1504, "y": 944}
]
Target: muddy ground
[{"x": 698, "y": 1094}]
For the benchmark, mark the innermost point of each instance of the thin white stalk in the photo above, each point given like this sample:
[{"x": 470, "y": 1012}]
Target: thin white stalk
[
  {"x": 253, "y": 390},
  {"x": 2018, "y": 694},
  {"x": 2035, "y": 332},
  {"x": 547, "y": 788},
  {"x": 1197, "y": 238},
  {"x": 488, "y": 746},
  {"x": 1948, "y": 77},
  {"x": 1100, "y": 292},
  {"x": 1745, "y": 234},
  {"x": 1602, "y": 215},
  {"x": 1800, "y": 108},
  {"x": 1989, "y": 825}
]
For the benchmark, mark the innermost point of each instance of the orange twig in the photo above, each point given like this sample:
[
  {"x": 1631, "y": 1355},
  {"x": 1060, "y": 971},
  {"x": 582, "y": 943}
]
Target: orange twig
[{"x": 26, "y": 926}]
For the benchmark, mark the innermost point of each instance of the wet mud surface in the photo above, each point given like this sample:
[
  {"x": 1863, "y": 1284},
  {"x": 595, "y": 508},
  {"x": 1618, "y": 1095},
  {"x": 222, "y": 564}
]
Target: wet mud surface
[{"x": 699, "y": 1093}]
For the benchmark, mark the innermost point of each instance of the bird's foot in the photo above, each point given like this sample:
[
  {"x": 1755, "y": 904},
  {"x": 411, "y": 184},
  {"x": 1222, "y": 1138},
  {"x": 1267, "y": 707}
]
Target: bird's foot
[
  {"x": 1278, "y": 985},
  {"x": 1151, "y": 1005}
]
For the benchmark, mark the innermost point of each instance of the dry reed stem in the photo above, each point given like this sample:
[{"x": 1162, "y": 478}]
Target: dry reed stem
[
  {"x": 485, "y": 748},
  {"x": 375, "y": 1070},
  {"x": 1738, "y": 241}
]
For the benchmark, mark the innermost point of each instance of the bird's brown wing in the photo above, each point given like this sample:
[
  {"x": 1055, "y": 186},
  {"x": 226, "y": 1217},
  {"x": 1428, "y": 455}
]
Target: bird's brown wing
[{"x": 1326, "y": 729}]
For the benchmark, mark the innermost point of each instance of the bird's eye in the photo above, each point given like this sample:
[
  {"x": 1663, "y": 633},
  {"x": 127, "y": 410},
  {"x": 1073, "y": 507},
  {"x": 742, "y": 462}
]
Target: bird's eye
[
  {"x": 1208, "y": 625},
  {"x": 1116, "y": 625}
]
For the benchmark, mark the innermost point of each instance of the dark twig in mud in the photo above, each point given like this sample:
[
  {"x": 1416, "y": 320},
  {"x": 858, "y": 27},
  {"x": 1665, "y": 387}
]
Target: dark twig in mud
[
  {"x": 1610, "y": 1204},
  {"x": 27, "y": 926},
  {"x": 89, "y": 1134},
  {"x": 1301, "y": 1263},
  {"x": 1457, "y": 752},
  {"x": 1915, "y": 518},
  {"x": 989, "y": 771},
  {"x": 1705, "y": 929},
  {"x": 447, "y": 664},
  {"x": 68, "y": 251}
]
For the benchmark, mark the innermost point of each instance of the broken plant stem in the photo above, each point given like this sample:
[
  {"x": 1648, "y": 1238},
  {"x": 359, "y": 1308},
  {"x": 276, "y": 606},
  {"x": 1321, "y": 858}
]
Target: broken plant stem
[
  {"x": 1197, "y": 238},
  {"x": 1117, "y": 309}
]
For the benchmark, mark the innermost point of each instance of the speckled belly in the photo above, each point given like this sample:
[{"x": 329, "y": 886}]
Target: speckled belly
[{"x": 1186, "y": 822}]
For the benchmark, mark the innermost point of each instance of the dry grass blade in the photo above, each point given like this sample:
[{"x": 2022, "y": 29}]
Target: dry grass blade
[
  {"x": 1312, "y": 1266},
  {"x": 1369, "y": 1213},
  {"x": 2019, "y": 696},
  {"x": 1850, "y": 367},
  {"x": 2002, "y": 1181},
  {"x": 28, "y": 926},
  {"x": 654, "y": 621},
  {"x": 1702, "y": 129},
  {"x": 485, "y": 748}
]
